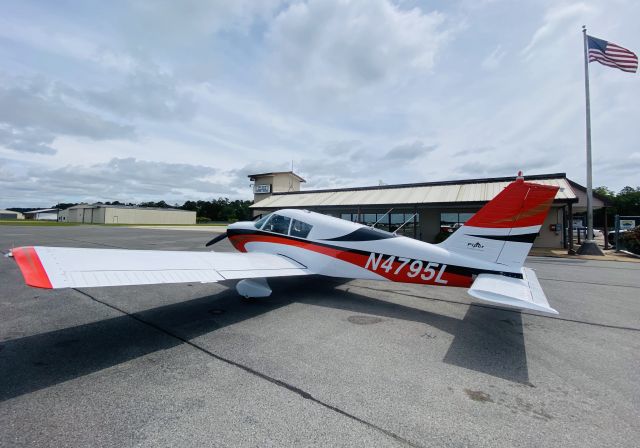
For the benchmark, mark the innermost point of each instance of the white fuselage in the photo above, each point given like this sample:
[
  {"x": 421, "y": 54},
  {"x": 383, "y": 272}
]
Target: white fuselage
[{"x": 340, "y": 248}]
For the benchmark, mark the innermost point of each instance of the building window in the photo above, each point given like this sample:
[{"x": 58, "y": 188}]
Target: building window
[
  {"x": 450, "y": 221},
  {"x": 410, "y": 229},
  {"x": 369, "y": 218},
  {"x": 389, "y": 222}
]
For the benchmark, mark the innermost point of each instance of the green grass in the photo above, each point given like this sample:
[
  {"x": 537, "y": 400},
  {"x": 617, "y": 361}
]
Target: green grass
[
  {"x": 29, "y": 222},
  {"x": 209, "y": 224}
]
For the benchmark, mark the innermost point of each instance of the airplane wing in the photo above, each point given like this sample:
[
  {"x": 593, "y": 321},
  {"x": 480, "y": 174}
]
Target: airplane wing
[
  {"x": 63, "y": 267},
  {"x": 524, "y": 293}
]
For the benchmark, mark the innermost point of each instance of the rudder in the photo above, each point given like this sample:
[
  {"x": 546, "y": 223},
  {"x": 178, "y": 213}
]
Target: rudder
[{"x": 503, "y": 231}]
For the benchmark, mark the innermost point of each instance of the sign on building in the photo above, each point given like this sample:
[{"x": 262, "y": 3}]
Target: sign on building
[
  {"x": 627, "y": 223},
  {"x": 262, "y": 188}
]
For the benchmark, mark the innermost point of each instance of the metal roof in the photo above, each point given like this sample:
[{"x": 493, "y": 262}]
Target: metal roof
[
  {"x": 448, "y": 192},
  {"x": 254, "y": 176},
  {"x": 44, "y": 210},
  {"x": 131, "y": 207}
]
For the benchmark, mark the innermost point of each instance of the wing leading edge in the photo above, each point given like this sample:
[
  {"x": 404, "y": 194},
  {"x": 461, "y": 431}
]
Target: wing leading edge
[{"x": 63, "y": 267}]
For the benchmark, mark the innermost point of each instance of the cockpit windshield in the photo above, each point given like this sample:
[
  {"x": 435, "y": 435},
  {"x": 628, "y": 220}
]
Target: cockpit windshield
[
  {"x": 278, "y": 224},
  {"x": 285, "y": 225},
  {"x": 260, "y": 222}
]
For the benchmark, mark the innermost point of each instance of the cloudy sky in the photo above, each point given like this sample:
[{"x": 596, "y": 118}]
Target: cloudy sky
[{"x": 174, "y": 100}]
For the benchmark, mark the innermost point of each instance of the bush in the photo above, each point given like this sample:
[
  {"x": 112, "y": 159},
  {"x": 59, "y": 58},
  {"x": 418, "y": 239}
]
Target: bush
[
  {"x": 631, "y": 240},
  {"x": 202, "y": 220}
]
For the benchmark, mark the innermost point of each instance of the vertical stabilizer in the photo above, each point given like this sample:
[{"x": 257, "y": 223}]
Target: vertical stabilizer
[{"x": 503, "y": 231}]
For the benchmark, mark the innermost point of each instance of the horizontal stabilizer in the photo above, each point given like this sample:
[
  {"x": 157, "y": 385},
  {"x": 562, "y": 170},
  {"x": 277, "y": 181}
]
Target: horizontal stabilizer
[{"x": 524, "y": 293}]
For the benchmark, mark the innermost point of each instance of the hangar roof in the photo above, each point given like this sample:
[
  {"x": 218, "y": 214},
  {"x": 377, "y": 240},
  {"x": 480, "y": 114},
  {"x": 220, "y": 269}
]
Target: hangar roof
[
  {"x": 44, "y": 210},
  {"x": 7, "y": 212},
  {"x": 433, "y": 193},
  {"x": 132, "y": 207}
]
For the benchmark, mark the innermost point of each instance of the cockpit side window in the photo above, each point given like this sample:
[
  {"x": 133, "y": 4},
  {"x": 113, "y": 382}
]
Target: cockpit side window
[
  {"x": 300, "y": 229},
  {"x": 278, "y": 224},
  {"x": 260, "y": 222}
]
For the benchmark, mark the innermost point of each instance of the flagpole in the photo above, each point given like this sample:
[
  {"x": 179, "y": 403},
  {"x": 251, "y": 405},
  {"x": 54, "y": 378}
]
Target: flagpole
[
  {"x": 588, "y": 109},
  {"x": 589, "y": 246}
]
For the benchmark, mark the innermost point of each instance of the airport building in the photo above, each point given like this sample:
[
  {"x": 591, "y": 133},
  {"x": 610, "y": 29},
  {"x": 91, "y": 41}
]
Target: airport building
[
  {"x": 121, "y": 214},
  {"x": 424, "y": 211},
  {"x": 45, "y": 214},
  {"x": 10, "y": 214}
]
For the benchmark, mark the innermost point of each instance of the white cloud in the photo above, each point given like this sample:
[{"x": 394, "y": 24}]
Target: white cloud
[
  {"x": 558, "y": 20},
  {"x": 351, "y": 91},
  {"x": 146, "y": 94},
  {"x": 124, "y": 179},
  {"x": 160, "y": 26},
  {"x": 61, "y": 43},
  {"x": 34, "y": 113},
  {"x": 493, "y": 59},
  {"x": 333, "y": 46}
]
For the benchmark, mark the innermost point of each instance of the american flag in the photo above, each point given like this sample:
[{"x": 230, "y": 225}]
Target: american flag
[{"x": 611, "y": 55}]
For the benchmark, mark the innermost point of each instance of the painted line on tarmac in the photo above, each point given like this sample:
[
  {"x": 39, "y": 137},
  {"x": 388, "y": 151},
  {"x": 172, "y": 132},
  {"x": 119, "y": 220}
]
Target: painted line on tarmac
[
  {"x": 581, "y": 264},
  {"x": 480, "y": 305},
  {"x": 589, "y": 283},
  {"x": 302, "y": 393}
]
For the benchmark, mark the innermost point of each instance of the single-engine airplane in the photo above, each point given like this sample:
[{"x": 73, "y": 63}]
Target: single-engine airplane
[{"x": 486, "y": 254}]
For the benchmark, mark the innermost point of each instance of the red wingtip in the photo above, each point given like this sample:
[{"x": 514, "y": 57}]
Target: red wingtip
[{"x": 31, "y": 267}]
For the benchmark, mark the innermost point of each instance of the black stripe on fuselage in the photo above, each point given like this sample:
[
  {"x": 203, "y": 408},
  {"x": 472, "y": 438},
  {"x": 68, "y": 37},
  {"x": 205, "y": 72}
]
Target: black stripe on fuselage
[
  {"x": 364, "y": 234},
  {"x": 461, "y": 270},
  {"x": 523, "y": 238}
]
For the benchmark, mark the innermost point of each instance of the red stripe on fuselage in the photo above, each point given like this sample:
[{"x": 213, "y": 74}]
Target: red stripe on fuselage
[
  {"x": 358, "y": 259},
  {"x": 31, "y": 267}
]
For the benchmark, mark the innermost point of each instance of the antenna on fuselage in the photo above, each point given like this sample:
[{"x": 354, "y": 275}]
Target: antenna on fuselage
[
  {"x": 374, "y": 224},
  {"x": 404, "y": 223}
]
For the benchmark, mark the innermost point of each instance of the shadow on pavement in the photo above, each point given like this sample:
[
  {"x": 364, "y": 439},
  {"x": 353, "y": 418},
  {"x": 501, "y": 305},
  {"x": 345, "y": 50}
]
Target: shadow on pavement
[
  {"x": 487, "y": 340},
  {"x": 39, "y": 361}
]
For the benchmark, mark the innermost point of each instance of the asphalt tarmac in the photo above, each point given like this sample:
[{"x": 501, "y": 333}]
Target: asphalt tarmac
[{"x": 322, "y": 362}]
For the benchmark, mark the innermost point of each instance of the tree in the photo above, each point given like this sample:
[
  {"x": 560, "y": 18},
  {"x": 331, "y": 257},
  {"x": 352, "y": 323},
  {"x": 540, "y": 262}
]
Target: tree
[
  {"x": 64, "y": 205},
  {"x": 221, "y": 209},
  {"x": 625, "y": 203},
  {"x": 604, "y": 191},
  {"x": 628, "y": 201}
]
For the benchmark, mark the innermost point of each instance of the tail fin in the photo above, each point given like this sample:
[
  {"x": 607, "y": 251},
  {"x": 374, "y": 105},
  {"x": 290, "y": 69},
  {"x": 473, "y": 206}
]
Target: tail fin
[{"x": 503, "y": 230}]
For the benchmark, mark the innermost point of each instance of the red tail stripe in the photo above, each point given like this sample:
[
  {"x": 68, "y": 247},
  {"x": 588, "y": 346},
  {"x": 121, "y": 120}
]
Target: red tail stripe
[
  {"x": 521, "y": 204},
  {"x": 31, "y": 267}
]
